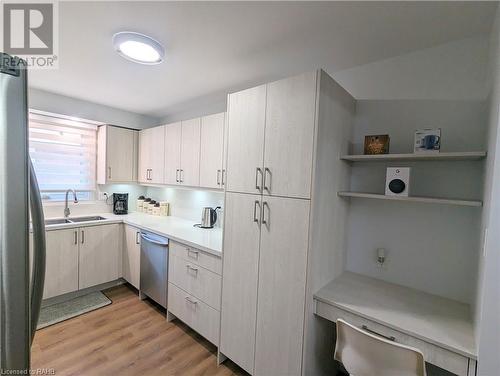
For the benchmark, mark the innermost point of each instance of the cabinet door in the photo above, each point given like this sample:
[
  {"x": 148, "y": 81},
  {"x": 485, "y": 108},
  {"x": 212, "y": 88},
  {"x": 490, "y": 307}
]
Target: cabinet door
[
  {"x": 61, "y": 268},
  {"x": 144, "y": 155},
  {"x": 121, "y": 154},
  {"x": 173, "y": 134},
  {"x": 211, "y": 150},
  {"x": 290, "y": 120},
  {"x": 157, "y": 155},
  {"x": 131, "y": 255},
  {"x": 239, "y": 278},
  {"x": 245, "y": 153},
  {"x": 282, "y": 281},
  {"x": 190, "y": 152},
  {"x": 100, "y": 254}
]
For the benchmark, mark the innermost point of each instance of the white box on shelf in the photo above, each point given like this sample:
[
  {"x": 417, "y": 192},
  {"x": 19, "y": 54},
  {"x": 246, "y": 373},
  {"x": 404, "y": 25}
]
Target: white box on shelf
[{"x": 397, "y": 181}]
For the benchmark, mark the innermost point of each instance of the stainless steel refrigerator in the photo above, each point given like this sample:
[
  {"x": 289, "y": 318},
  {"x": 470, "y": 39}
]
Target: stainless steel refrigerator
[{"x": 21, "y": 276}]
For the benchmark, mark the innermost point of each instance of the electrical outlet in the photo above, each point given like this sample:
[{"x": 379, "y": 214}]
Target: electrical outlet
[
  {"x": 381, "y": 258},
  {"x": 103, "y": 196}
]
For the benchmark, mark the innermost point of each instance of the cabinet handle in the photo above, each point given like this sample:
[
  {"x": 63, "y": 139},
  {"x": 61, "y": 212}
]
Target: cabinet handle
[
  {"x": 255, "y": 218},
  {"x": 223, "y": 174},
  {"x": 190, "y": 251},
  {"x": 181, "y": 177},
  {"x": 189, "y": 267},
  {"x": 267, "y": 186},
  {"x": 218, "y": 177},
  {"x": 257, "y": 171},
  {"x": 264, "y": 220},
  {"x": 109, "y": 172},
  {"x": 83, "y": 236},
  {"x": 150, "y": 174},
  {"x": 391, "y": 338},
  {"x": 76, "y": 237},
  {"x": 189, "y": 300},
  {"x": 177, "y": 175},
  {"x": 137, "y": 241}
]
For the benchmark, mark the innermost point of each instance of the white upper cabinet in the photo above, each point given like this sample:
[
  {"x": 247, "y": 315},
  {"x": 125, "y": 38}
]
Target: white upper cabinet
[
  {"x": 173, "y": 134},
  {"x": 116, "y": 155},
  {"x": 152, "y": 155},
  {"x": 289, "y": 136},
  {"x": 245, "y": 147},
  {"x": 211, "y": 150},
  {"x": 190, "y": 152}
]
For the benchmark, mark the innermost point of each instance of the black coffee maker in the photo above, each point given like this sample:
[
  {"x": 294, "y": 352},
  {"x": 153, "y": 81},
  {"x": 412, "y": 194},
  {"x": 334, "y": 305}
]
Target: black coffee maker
[{"x": 120, "y": 203}]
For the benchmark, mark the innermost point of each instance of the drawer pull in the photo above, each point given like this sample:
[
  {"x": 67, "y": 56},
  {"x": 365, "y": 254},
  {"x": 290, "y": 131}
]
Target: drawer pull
[
  {"x": 193, "y": 254},
  {"x": 391, "y": 338},
  {"x": 189, "y": 267},
  {"x": 189, "y": 300}
]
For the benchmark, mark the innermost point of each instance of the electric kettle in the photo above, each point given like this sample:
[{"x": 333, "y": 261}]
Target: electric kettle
[{"x": 208, "y": 217}]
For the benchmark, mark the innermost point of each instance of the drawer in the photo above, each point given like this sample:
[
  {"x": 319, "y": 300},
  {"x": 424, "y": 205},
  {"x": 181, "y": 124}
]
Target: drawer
[
  {"x": 436, "y": 355},
  {"x": 196, "y": 280},
  {"x": 193, "y": 312},
  {"x": 196, "y": 256}
]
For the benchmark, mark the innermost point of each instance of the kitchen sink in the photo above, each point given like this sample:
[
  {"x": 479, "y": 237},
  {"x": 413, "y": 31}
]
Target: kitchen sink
[
  {"x": 86, "y": 219},
  {"x": 59, "y": 221}
]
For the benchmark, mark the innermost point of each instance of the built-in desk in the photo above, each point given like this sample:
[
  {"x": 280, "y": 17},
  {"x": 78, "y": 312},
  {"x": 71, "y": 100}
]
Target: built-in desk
[{"x": 441, "y": 328}]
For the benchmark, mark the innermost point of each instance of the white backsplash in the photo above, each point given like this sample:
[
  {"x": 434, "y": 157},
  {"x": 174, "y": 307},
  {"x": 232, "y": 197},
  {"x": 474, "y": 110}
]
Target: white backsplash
[
  {"x": 184, "y": 203},
  {"x": 188, "y": 203}
]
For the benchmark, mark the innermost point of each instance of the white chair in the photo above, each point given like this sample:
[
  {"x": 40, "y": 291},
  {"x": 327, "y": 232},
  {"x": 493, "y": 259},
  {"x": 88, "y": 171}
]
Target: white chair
[{"x": 364, "y": 354}]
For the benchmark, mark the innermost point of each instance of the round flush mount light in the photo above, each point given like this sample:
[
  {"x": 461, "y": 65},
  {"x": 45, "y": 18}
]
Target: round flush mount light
[{"x": 138, "y": 48}]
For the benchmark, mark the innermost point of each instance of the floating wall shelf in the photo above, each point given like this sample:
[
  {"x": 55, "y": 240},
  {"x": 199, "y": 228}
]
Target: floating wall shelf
[
  {"x": 427, "y": 200},
  {"x": 455, "y": 156}
]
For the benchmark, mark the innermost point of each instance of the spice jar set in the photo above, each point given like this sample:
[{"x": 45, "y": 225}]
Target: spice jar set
[{"x": 150, "y": 206}]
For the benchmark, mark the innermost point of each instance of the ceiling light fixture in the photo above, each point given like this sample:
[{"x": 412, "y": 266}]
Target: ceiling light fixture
[{"x": 138, "y": 48}]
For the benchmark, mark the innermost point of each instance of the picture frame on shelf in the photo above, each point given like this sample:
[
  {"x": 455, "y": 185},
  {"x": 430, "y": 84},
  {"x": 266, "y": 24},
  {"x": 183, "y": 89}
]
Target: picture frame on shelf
[{"x": 377, "y": 144}]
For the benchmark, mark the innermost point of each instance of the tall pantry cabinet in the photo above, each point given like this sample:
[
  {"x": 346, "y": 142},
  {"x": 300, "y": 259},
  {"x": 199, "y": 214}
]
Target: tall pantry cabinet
[{"x": 278, "y": 244}]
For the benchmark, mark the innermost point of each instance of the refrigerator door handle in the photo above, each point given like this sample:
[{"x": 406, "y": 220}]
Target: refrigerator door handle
[{"x": 38, "y": 277}]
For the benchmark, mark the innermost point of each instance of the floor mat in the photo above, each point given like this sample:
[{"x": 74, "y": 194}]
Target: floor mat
[{"x": 55, "y": 313}]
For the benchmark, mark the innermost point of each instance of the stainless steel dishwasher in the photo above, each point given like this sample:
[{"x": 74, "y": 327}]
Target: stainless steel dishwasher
[{"x": 154, "y": 267}]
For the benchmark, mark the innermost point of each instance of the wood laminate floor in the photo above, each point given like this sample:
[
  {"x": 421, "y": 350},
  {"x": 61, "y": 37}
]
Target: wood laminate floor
[{"x": 128, "y": 337}]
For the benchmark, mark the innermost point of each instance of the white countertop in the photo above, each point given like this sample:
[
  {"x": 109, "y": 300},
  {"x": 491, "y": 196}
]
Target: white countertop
[
  {"x": 174, "y": 228},
  {"x": 443, "y": 322}
]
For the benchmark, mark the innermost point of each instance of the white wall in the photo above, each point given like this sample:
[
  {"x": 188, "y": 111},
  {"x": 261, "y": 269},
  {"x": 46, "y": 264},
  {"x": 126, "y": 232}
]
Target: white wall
[
  {"x": 188, "y": 203},
  {"x": 60, "y": 104},
  {"x": 455, "y": 70},
  {"x": 431, "y": 248},
  {"x": 488, "y": 312}
]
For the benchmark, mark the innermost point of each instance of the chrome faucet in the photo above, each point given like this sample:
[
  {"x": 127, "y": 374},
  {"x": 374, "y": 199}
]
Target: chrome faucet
[{"x": 75, "y": 200}]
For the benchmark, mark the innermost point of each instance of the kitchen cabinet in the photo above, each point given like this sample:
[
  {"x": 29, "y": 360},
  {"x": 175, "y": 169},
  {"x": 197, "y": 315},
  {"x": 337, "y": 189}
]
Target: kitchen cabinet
[
  {"x": 61, "y": 266},
  {"x": 282, "y": 281},
  {"x": 245, "y": 147},
  {"x": 100, "y": 254},
  {"x": 240, "y": 278},
  {"x": 212, "y": 150},
  {"x": 271, "y": 138},
  {"x": 289, "y": 136},
  {"x": 283, "y": 229},
  {"x": 117, "y": 150},
  {"x": 173, "y": 134},
  {"x": 190, "y": 153},
  {"x": 194, "y": 289},
  {"x": 152, "y": 155},
  {"x": 131, "y": 255}
]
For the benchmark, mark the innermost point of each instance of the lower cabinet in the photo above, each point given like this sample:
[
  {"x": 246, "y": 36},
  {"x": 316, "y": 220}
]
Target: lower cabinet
[
  {"x": 131, "y": 255},
  {"x": 194, "y": 289},
  {"x": 61, "y": 267},
  {"x": 100, "y": 254}
]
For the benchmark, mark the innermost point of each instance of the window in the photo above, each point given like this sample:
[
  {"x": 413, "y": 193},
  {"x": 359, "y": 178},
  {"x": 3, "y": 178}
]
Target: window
[{"x": 63, "y": 152}]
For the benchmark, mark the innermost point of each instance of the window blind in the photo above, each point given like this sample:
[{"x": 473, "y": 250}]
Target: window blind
[{"x": 63, "y": 152}]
